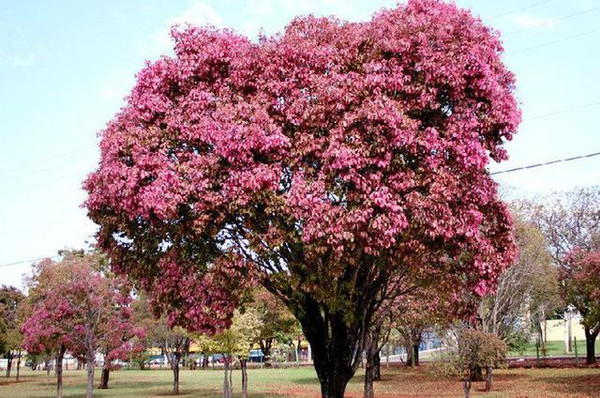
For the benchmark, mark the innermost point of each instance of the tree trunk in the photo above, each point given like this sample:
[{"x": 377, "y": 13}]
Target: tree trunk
[
  {"x": 488, "y": 379},
  {"x": 105, "y": 375},
  {"x": 9, "y": 361},
  {"x": 243, "y": 366},
  {"x": 337, "y": 345},
  {"x": 265, "y": 347},
  {"x": 415, "y": 348},
  {"x": 476, "y": 374},
  {"x": 466, "y": 387},
  {"x": 175, "y": 368},
  {"x": 410, "y": 360},
  {"x": 90, "y": 357},
  {"x": 59, "y": 371},
  {"x": 18, "y": 365},
  {"x": 377, "y": 368},
  {"x": 372, "y": 356},
  {"x": 590, "y": 341},
  {"x": 205, "y": 362},
  {"x": 226, "y": 380}
]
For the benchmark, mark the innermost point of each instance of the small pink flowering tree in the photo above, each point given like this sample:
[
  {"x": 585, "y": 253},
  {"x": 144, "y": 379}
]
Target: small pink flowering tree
[
  {"x": 580, "y": 286},
  {"x": 323, "y": 162},
  {"x": 75, "y": 307}
]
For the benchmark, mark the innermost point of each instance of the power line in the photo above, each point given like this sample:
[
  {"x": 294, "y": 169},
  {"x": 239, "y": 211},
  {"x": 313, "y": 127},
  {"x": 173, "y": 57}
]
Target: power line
[
  {"x": 28, "y": 261},
  {"x": 561, "y": 111},
  {"x": 546, "y": 44},
  {"x": 521, "y": 9},
  {"x": 553, "y": 21},
  {"x": 532, "y": 166}
]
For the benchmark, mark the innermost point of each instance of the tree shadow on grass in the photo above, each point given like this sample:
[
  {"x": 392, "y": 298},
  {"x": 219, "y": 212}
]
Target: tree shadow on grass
[{"x": 582, "y": 384}]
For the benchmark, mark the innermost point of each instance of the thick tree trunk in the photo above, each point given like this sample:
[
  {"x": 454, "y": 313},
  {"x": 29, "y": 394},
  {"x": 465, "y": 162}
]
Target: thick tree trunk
[
  {"x": 243, "y": 366},
  {"x": 415, "y": 349},
  {"x": 377, "y": 368},
  {"x": 226, "y": 379},
  {"x": 409, "y": 354},
  {"x": 175, "y": 368},
  {"x": 590, "y": 341},
  {"x": 104, "y": 377},
  {"x": 59, "y": 371},
  {"x": 337, "y": 345},
  {"x": 488, "y": 379}
]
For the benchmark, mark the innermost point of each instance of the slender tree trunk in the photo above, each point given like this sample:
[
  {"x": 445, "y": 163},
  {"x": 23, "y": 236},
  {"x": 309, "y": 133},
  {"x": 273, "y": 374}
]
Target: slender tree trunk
[
  {"x": 59, "y": 371},
  {"x": 590, "y": 345},
  {"x": 175, "y": 368},
  {"x": 205, "y": 362},
  {"x": 488, "y": 379},
  {"x": 243, "y": 366},
  {"x": 104, "y": 376},
  {"x": 90, "y": 357},
  {"x": 19, "y": 354},
  {"x": 226, "y": 380},
  {"x": 467, "y": 387},
  {"x": 373, "y": 362},
  {"x": 9, "y": 361}
]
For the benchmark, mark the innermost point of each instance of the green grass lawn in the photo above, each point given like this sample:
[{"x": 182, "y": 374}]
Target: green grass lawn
[
  {"x": 302, "y": 382},
  {"x": 556, "y": 348}
]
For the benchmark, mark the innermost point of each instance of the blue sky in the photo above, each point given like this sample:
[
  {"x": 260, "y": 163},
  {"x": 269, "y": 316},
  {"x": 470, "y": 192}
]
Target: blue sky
[{"x": 65, "y": 67}]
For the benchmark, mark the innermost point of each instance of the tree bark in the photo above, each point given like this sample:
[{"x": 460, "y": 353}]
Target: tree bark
[
  {"x": 59, "y": 371},
  {"x": 590, "y": 341},
  {"x": 226, "y": 380},
  {"x": 410, "y": 361},
  {"x": 105, "y": 376},
  {"x": 9, "y": 361},
  {"x": 337, "y": 345},
  {"x": 265, "y": 347},
  {"x": 175, "y": 368},
  {"x": 467, "y": 387},
  {"x": 488, "y": 379},
  {"x": 18, "y": 364},
  {"x": 372, "y": 355},
  {"x": 377, "y": 368},
  {"x": 90, "y": 356},
  {"x": 243, "y": 366},
  {"x": 415, "y": 348}
]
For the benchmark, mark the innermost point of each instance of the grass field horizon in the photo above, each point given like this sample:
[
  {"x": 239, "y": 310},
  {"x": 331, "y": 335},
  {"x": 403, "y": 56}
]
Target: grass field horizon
[{"x": 302, "y": 382}]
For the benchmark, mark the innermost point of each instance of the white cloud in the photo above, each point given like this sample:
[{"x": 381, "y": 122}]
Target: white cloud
[{"x": 198, "y": 13}]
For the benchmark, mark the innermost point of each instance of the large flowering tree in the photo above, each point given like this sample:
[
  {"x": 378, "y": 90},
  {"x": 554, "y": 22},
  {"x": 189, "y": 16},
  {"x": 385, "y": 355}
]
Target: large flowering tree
[{"x": 321, "y": 162}]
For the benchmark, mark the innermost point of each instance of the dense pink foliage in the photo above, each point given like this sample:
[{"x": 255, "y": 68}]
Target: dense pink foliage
[
  {"x": 307, "y": 154},
  {"x": 71, "y": 298}
]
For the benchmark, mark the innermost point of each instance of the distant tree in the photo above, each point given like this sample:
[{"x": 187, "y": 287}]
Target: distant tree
[
  {"x": 277, "y": 323},
  {"x": 173, "y": 341},
  {"x": 74, "y": 306},
  {"x": 569, "y": 220},
  {"x": 528, "y": 288},
  {"x": 473, "y": 350},
  {"x": 10, "y": 335},
  {"x": 580, "y": 285}
]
